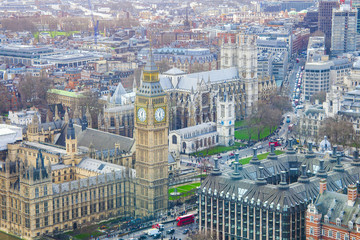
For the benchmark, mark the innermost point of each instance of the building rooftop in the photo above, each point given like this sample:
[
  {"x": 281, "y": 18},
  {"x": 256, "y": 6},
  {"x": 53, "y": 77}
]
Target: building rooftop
[{"x": 65, "y": 93}]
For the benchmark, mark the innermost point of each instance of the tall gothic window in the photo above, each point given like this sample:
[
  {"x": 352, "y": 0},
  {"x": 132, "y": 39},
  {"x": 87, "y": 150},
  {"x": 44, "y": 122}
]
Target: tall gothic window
[
  {"x": 174, "y": 138},
  {"x": 230, "y": 110},
  {"x": 222, "y": 111}
]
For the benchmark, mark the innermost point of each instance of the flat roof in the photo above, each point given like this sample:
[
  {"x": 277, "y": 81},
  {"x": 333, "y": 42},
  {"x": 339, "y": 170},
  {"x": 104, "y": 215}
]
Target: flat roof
[{"x": 65, "y": 93}]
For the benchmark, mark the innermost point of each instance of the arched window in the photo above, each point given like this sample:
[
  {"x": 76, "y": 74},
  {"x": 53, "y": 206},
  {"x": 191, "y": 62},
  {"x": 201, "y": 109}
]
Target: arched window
[
  {"x": 184, "y": 145},
  {"x": 36, "y": 192},
  {"x": 174, "y": 139}
]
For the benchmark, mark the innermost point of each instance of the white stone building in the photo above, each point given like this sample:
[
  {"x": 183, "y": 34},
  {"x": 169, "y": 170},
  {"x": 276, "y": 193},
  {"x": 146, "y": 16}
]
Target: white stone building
[
  {"x": 192, "y": 139},
  {"x": 9, "y": 134},
  {"x": 23, "y": 117},
  {"x": 226, "y": 120}
]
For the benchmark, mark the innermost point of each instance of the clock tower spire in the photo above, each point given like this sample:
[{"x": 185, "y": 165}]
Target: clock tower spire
[{"x": 151, "y": 134}]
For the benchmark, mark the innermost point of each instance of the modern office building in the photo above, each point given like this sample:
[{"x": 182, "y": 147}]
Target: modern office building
[
  {"x": 317, "y": 78},
  {"x": 315, "y": 49},
  {"x": 343, "y": 31},
  {"x": 268, "y": 199},
  {"x": 325, "y": 15},
  {"x": 15, "y": 54}
]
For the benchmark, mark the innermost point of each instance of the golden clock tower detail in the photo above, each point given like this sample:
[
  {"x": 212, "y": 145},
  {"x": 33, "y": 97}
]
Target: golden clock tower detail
[{"x": 151, "y": 134}]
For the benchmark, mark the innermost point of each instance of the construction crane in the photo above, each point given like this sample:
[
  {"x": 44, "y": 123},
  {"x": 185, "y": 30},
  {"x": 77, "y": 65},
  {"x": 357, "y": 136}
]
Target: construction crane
[{"x": 95, "y": 24}]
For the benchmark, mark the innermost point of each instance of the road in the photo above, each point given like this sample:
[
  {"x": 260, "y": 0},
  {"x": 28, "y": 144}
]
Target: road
[{"x": 179, "y": 232}]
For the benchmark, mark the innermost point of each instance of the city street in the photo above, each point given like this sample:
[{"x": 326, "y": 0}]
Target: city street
[{"x": 178, "y": 232}]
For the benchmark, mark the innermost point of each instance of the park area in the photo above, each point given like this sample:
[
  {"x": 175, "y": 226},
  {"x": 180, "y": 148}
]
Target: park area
[
  {"x": 242, "y": 131},
  {"x": 260, "y": 157},
  {"x": 183, "y": 190},
  {"x": 217, "y": 149}
]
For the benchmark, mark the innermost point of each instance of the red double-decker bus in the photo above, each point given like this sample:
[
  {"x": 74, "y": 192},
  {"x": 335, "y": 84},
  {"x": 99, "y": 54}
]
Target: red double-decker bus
[{"x": 186, "y": 219}]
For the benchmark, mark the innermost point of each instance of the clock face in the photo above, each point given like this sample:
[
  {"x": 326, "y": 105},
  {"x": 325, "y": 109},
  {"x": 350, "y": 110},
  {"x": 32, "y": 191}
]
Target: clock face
[
  {"x": 141, "y": 114},
  {"x": 159, "y": 114}
]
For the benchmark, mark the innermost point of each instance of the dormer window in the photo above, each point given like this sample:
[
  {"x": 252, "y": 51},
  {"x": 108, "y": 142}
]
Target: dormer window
[
  {"x": 338, "y": 222},
  {"x": 326, "y": 219}
]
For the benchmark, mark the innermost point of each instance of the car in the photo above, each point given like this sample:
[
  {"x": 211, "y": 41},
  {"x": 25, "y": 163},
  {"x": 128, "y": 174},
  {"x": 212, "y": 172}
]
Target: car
[
  {"x": 170, "y": 231},
  {"x": 186, "y": 231},
  {"x": 157, "y": 236},
  {"x": 143, "y": 236},
  {"x": 219, "y": 157},
  {"x": 231, "y": 154}
]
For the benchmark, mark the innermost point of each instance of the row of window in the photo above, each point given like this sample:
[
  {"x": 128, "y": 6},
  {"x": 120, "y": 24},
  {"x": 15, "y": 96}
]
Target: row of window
[{"x": 331, "y": 233}]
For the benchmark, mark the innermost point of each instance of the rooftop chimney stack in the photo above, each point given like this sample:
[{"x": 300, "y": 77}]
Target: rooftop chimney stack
[
  {"x": 254, "y": 159},
  {"x": 310, "y": 146},
  {"x": 352, "y": 194},
  {"x": 216, "y": 171},
  {"x": 323, "y": 185}
]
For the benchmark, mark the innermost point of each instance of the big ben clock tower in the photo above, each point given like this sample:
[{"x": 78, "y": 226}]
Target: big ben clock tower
[{"x": 151, "y": 134}]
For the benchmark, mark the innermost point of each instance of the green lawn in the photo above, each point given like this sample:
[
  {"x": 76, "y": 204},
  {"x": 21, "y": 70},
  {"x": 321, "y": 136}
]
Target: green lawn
[
  {"x": 239, "y": 123},
  {"x": 55, "y": 33},
  {"x": 88, "y": 235},
  {"x": 218, "y": 149},
  {"x": 244, "y": 135},
  {"x": 183, "y": 189},
  {"x": 260, "y": 157}
]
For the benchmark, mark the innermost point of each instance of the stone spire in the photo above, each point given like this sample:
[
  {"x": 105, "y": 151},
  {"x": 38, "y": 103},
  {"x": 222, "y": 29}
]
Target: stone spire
[
  {"x": 88, "y": 116},
  {"x": 66, "y": 116},
  {"x": 56, "y": 113},
  {"x": 76, "y": 112}
]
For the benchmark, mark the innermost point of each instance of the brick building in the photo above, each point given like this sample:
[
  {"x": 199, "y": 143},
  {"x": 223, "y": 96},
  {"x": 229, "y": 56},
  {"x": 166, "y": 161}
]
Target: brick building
[{"x": 334, "y": 215}]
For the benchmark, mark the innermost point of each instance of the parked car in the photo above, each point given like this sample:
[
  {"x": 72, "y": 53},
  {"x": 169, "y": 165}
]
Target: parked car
[
  {"x": 186, "y": 231},
  {"x": 170, "y": 231},
  {"x": 143, "y": 236}
]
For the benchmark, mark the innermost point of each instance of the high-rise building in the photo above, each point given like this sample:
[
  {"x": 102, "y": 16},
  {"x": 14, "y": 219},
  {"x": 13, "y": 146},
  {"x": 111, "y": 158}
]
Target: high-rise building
[
  {"x": 343, "y": 31},
  {"x": 317, "y": 78},
  {"x": 151, "y": 132},
  {"x": 268, "y": 199},
  {"x": 325, "y": 16}
]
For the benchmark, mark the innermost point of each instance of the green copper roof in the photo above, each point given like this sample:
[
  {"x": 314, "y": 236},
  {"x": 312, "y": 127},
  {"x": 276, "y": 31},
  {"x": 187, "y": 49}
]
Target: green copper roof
[{"x": 65, "y": 93}]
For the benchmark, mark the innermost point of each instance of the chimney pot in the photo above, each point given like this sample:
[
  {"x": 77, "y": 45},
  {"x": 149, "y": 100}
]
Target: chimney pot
[
  {"x": 272, "y": 147},
  {"x": 352, "y": 194},
  {"x": 322, "y": 185}
]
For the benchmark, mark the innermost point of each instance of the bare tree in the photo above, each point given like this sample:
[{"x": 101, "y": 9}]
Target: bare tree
[
  {"x": 33, "y": 91},
  {"x": 338, "y": 131},
  {"x": 321, "y": 96},
  {"x": 4, "y": 99},
  {"x": 280, "y": 102},
  {"x": 163, "y": 65}
]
